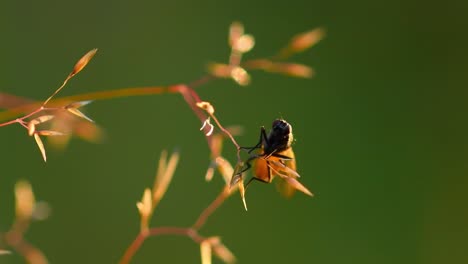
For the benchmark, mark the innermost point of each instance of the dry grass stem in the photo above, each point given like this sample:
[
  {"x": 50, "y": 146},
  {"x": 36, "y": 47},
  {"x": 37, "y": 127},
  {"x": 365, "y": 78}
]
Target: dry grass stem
[
  {"x": 65, "y": 119},
  {"x": 76, "y": 69}
]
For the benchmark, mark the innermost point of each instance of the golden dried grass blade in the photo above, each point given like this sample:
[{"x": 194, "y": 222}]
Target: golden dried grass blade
[
  {"x": 25, "y": 201},
  {"x": 50, "y": 133},
  {"x": 144, "y": 206},
  {"x": 292, "y": 69},
  {"x": 222, "y": 252},
  {"x": 237, "y": 176},
  {"x": 302, "y": 42},
  {"x": 77, "y": 68},
  {"x": 205, "y": 252},
  {"x": 289, "y": 171},
  {"x": 163, "y": 180},
  {"x": 161, "y": 167},
  {"x": 170, "y": 169},
  {"x": 80, "y": 114},
  {"x": 78, "y": 104},
  {"x": 41, "y": 146},
  {"x": 145, "y": 209},
  {"x": 297, "y": 185},
  {"x": 306, "y": 39},
  {"x": 242, "y": 193},
  {"x": 36, "y": 121},
  {"x": 83, "y": 62},
  {"x": 42, "y": 119},
  {"x": 31, "y": 128}
]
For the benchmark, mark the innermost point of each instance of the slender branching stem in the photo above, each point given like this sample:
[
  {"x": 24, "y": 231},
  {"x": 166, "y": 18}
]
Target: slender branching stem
[{"x": 208, "y": 211}]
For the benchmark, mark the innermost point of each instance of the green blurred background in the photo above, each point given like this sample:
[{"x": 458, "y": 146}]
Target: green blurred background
[{"x": 381, "y": 130}]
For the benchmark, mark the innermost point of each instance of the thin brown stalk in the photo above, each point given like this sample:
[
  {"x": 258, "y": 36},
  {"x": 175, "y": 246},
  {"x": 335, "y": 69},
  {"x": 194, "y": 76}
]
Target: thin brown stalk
[
  {"x": 117, "y": 93},
  {"x": 201, "y": 81},
  {"x": 100, "y": 95},
  {"x": 20, "y": 120},
  {"x": 157, "y": 231},
  {"x": 32, "y": 254},
  {"x": 191, "y": 232},
  {"x": 208, "y": 211},
  {"x": 229, "y": 135},
  {"x": 133, "y": 248}
]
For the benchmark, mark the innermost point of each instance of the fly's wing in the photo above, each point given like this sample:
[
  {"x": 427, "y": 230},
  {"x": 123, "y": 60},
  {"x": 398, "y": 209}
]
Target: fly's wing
[
  {"x": 286, "y": 169},
  {"x": 283, "y": 187},
  {"x": 267, "y": 167}
]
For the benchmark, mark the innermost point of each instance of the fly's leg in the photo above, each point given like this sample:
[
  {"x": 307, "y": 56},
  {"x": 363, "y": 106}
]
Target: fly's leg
[
  {"x": 268, "y": 180},
  {"x": 247, "y": 164},
  {"x": 257, "y": 179},
  {"x": 261, "y": 141}
]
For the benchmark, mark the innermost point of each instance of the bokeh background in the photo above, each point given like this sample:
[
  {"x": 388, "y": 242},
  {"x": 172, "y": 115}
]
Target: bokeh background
[{"x": 381, "y": 130}]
